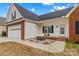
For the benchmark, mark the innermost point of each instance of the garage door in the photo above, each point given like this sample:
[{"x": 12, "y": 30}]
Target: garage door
[{"x": 14, "y": 31}]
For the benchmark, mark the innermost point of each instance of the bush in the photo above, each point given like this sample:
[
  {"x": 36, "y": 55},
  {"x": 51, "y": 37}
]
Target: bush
[
  {"x": 72, "y": 44},
  {"x": 3, "y": 33},
  {"x": 70, "y": 41}
]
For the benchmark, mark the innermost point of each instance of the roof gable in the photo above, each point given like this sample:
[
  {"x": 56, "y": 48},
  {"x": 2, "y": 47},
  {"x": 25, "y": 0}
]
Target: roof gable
[
  {"x": 12, "y": 8},
  {"x": 26, "y": 13}
]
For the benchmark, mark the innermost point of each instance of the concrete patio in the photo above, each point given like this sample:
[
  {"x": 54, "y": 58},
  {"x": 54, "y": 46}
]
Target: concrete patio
[{"x": 57, "y": 46}]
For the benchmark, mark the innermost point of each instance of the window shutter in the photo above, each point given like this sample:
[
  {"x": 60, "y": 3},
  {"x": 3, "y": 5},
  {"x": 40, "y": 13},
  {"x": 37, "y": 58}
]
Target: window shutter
[
  {"x": 14, "y": 14},
  {"x": 43, "y": 29},
  {"x": 52, "y": 28}
]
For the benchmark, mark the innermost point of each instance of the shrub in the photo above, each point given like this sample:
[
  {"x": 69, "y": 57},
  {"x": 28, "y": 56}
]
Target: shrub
[{"x": 3, "y": 33}]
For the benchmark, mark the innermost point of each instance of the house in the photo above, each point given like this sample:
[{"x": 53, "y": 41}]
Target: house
[
  {"x": 23, "y": 24},
  {"x": 2, "y": 25}
]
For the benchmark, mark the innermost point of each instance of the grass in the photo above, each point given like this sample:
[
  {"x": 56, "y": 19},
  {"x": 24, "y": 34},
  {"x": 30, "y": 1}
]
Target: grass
[{"x": 71, "y": 44}]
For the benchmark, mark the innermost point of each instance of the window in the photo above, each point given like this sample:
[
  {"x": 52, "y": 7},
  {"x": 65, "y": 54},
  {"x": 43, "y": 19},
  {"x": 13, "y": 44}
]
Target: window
[
  {"x": 13, "y": 15},
  {"x": 44, "y": 29},
  {"x": 48, "y": 29},
  {"x": 77, "y": 27},
  {"x": 62, "y": 29}
]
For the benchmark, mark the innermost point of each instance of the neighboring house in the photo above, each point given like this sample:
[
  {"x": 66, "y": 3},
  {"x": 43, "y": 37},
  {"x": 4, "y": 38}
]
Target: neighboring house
[
  {"x": 2, "y": 23},
  {"x": 23, "y": 24}
]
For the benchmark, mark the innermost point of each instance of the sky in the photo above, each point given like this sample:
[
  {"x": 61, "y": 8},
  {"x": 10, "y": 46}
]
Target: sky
[{"x": 37, "y": 8}]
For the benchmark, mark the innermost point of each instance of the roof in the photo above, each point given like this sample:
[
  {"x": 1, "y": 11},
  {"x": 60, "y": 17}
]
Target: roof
[
  {"x": 29, "y": 15},
  {"x": 2, "y": 21},
  {"x": 26, "y": 13},
  {"x": 56, "y": 14}
]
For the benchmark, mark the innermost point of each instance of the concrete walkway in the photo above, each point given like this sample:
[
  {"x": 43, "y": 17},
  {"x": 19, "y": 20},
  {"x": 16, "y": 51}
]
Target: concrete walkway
[{"x": 57, "y": 46}]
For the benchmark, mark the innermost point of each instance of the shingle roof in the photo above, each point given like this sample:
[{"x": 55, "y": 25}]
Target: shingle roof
[
  {"x": 28, "y": 14},
  {"x": 56, "y": 14}
]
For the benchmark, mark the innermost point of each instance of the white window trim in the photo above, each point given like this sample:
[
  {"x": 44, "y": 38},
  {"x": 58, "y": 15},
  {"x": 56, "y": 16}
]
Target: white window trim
[
  {"x": 64, "y": 29},
  {"x": 47, "y": 28}
]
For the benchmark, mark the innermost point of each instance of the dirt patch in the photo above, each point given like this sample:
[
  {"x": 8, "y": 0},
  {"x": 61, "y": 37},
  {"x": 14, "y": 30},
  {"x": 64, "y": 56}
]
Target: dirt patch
[{"x": 16, "y": 49}]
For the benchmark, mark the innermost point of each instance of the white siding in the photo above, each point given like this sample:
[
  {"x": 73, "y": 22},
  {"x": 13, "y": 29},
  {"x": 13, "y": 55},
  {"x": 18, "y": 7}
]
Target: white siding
[
  {"x": 11, "y": 9},
  {"x": 57, "y": 22},
  {"x": 31, "y": 30},
  {"x": 14, "y": 33}
]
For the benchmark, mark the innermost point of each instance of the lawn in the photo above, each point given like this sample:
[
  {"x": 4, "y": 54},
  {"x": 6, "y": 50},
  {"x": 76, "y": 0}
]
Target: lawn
[
  {"x": 71, "y": 44},
  {"x": 16, "y": 49}
]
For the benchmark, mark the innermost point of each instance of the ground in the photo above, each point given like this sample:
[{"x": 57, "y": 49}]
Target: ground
[{"x": 17, "y": 49}]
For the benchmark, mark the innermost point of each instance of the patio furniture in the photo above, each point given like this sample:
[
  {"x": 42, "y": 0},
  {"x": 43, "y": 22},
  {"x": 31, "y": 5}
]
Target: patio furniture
[{"x": 40, "y": 38}]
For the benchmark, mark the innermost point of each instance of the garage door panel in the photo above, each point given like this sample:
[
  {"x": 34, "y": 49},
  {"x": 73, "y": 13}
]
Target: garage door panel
[
  {"x": 15, "y": 34},
  {"x": 14, "y": 31}
]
